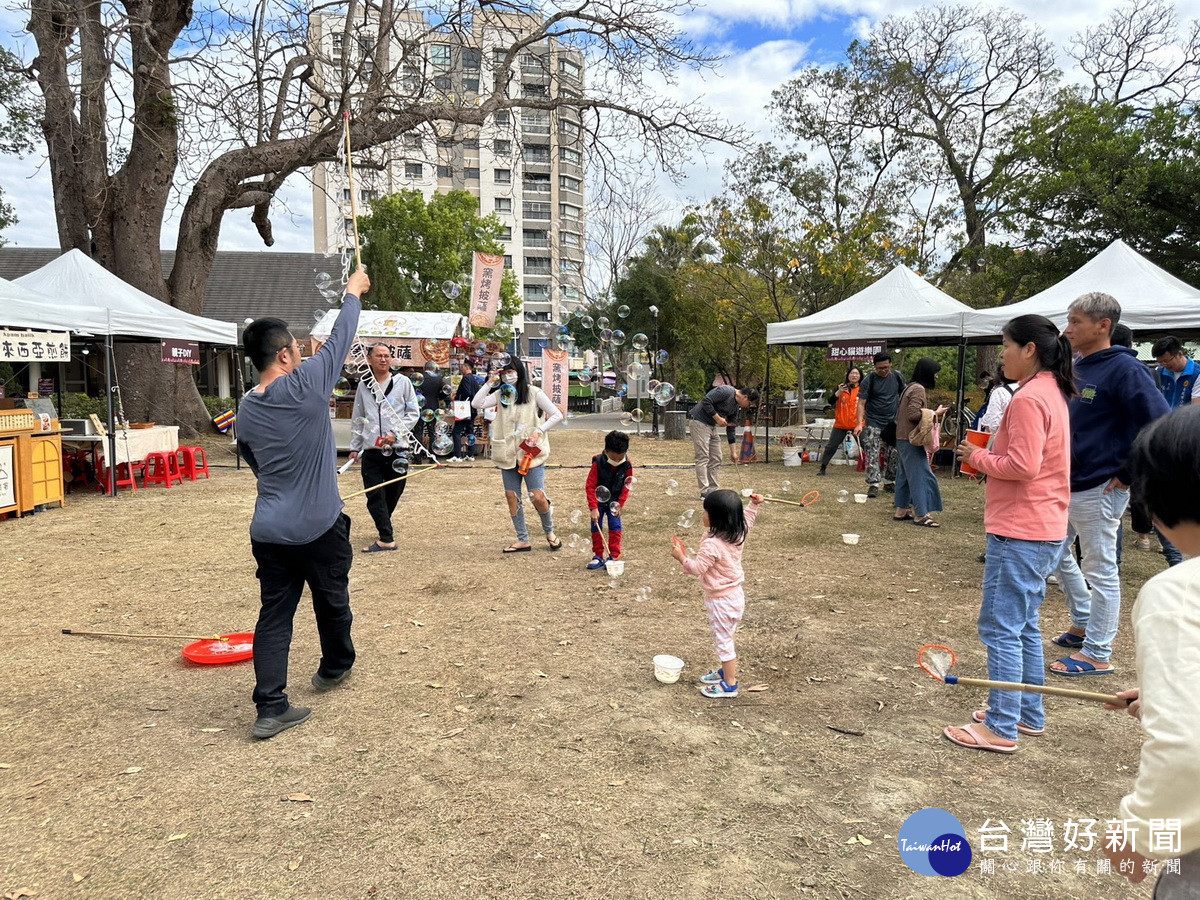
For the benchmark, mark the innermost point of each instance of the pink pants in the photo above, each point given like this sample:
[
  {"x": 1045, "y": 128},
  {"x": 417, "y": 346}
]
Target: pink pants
[{"x": 724, "y": 614}]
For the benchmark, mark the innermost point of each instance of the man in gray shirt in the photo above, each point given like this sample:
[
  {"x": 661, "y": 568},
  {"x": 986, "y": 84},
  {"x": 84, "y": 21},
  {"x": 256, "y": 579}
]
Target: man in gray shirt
[
  {"x": 299, "y": 533},
  {"x": 878, "y": 401},
  {"x": 720, "y": 408}
]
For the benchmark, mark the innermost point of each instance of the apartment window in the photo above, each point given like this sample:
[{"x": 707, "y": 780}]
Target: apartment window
[
  {"x": 471, "y": 173},
  {"x": 536, "y": 154},
  {"x": 535, "y": 122},
  {"x": 345, "y": 195},
  {"x": 413, "y": 142},
  {"x": 570, "y": 239},
  {"x": 569, "y": 68},
  {"x": 348, "y": 224},
  {"x": 367, "y": 195},
  {"x": 508, "y": 261},
  {"x": 445, "y": 171},
  {"x": 471, "y": 59},
  {"x": 568, "y": 128},
  {"x": 533, "y": 65},
  {"x": 570, "y": 295},
  {"x": 503, "y": 117},
  {"x": 531, "y": 209},
  {"x": 502, "y": 148},
  {"x": 567, "y": 155},
  {"x": 443, "y": 83},
  {"x": 471, "y": 85},
  {"x": 537, "y": 265},
  {"x": 537, "y": 293},
  {"x": 569, "y": 267},
  {"x": 470, "y": 143},
  {"x": 506, "y": 233},
  {"x": 504, "y": 204},
  {"x": 569, "y": 210},
  {"x": 535, "y": 237},
  {"x": 414, "y": 170},
  {"x": 502, "y": 176},
  {"x": 439, "y": 56},
  {"x": 336, "y": 45},
  {"x": 444, "y": 143},
  {"x": 498, "y": 56},
  {"x": 536, "y": 183},
  {"x": 535, "y": 90},
  {"x": 567, "y": 183}
]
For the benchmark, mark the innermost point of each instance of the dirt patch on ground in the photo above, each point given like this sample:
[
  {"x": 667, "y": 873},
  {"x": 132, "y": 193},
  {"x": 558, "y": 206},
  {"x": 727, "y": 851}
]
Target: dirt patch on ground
[{"x": 502, "y": 734}]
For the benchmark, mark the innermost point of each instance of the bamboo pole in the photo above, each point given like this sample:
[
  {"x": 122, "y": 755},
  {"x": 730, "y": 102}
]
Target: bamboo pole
[
  {"x": 1040, "y": 689},
  {"x": 353, "y": 199},
  {"x": 376, "y": 487},
  {"x": 177, "y": 637}
]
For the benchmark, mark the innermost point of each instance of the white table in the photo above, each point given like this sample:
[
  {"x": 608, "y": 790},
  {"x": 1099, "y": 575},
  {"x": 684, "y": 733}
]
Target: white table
[{"x": 133, "y": 444}]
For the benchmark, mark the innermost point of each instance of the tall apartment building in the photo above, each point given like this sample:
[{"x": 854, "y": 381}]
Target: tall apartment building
[{"x": 526, "y": 166}]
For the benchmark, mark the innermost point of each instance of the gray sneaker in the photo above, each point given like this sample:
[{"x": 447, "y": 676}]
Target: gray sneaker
[
  {"x": 326, "y": 683},
  {"x": 269, "y": 726}
]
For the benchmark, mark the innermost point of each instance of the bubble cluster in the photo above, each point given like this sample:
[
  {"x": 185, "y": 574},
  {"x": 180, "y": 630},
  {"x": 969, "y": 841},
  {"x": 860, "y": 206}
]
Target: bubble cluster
[
  {"x": 642, "y": 594},
  {"x": 451, "y": 289},
  {"x": 577, "y": 517},
  {"x": 685, "y": 521},
  {"x": 617, "y": 338}
]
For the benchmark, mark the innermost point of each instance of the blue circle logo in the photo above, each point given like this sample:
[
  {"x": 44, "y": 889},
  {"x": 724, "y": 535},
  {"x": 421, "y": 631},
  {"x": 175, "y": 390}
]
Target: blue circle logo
[{"x": 933, "y": 842}]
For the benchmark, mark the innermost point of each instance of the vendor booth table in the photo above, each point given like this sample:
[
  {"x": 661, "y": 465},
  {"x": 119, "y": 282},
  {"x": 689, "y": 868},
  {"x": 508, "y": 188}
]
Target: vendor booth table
[
  {"x": 133, "y": 444},
  {"x": 31, "y": 472}
]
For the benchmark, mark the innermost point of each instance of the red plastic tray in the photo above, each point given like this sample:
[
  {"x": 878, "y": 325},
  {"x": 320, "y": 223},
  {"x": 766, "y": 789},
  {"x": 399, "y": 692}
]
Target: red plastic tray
[{"x": 235, "y": 648}]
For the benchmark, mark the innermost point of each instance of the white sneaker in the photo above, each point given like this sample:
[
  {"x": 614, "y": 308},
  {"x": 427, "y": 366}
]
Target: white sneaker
[{"x": 454, "y": 459}]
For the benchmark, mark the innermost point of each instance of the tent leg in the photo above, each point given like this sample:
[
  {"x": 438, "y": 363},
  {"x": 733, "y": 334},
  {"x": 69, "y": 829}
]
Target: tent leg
[
  {"x": 109, "y": 365},
  {"x": 959, "y": 398},
  {"x": 766, "y": 398}
]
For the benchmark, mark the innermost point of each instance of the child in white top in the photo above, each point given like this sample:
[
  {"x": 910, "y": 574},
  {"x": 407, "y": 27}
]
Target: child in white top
[
  {"x": 718, "y": 562},
  {"x": 1165, "y": 463}
]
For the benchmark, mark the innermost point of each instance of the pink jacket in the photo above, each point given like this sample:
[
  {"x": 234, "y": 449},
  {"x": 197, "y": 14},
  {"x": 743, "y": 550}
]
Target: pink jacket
[
  {"x": 1029, "y": 465},
  {"x": 719, "y": 563}
]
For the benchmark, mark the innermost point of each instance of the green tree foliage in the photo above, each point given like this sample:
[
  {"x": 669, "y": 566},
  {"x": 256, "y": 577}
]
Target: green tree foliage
[
  {"x": 19, "y": 116},
  {"x": 412, "y": 248}
]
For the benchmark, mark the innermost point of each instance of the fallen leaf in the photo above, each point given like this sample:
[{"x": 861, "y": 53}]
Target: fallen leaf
[
  {"x": 39, "y": 782},
  {"x": 5, "y": 765},
  {"x": 540, "y": 674},
  {"x": 157, "y": 708},
  {"x": 178, "y": 837},
  {"x": 564, "y": 643},
  {"x": 432, "y": 684},
  {"x": 880, "y": 702},
  {"x": 18, "y": 894},
  {"x": 757, "y": 688},
  {"x": 912, "y": 590},
  {"x": 736, "y": 724},
  {"x": 615, "y": 783},
  {"x": 76, "y": 877},
  {"x": 360, "y": 749},
  {"x": 422, "y": 715},
  {"x": 418, "y": 624},
  {"x": 295, "y": 864},
  {"x": 132, "y": 770},
  {"x": 297, "y": 798},
  {"x": 859, "y": 839},
  {"x": 211, "y": 730},
  {"x": 614, "y": 704},
  {"x": 150, "y": 725},
  {"x": 855, "y": 821},
  {"x": 453, "y": 732}
]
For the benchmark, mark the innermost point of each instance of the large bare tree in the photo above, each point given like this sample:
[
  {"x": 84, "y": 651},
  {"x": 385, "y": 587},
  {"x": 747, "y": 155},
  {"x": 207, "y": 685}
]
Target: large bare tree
[{"x": 212, "y": 105}]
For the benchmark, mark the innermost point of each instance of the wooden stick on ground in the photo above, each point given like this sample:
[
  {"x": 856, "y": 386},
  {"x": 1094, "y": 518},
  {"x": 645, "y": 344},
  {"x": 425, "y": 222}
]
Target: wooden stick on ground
[{"x": 177, "y": 637}]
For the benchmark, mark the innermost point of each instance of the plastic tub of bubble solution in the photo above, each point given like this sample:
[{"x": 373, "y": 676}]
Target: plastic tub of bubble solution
[
  {"x": 849, "y": 538},
  {"x": 860, "y": 498},
  {"x": 615, "y": 567},
  {"x": 667, "y": 668}
]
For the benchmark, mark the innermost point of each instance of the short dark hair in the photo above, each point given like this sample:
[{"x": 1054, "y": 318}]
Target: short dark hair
[
  {"x": 1165, "y": 465},
  {"x": 1122, "y": 336},
  {"x": 616, "y": 442},
  {"x": 881, "y": 357},
  {"x": 751, "y": 394},
  {"x": 1170, "y": 344},
  {"x": 467, "y": 364},
  {"x": 263, "y": 339}
]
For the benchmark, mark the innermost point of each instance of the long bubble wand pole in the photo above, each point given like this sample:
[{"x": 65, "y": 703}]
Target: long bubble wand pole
[
  {"x": 376, "y": 487},
  {"x": 353, "y": 201},
  {"x": 937, "y": 660}
]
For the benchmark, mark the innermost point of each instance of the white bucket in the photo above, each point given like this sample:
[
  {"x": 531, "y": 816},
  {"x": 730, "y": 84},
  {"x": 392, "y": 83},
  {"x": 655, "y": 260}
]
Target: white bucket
[
  {"x": 667, "y": 668},
  {"x": 849, "y": 538},
  {"x": 615, "y": 567},
  {"x": 791, "y": 456}
]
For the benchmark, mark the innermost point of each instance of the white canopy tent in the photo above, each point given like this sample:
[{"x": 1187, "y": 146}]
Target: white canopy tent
[
  {"x": 77, "y": 279},
  {"x": 900, "y": 306},
  {"x": 1152, "y": 300},
  {"x": 21, "y": 307}
]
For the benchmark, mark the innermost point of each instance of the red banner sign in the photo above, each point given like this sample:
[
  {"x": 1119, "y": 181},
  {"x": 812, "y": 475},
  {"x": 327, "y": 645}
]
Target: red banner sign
[
  {"x": 555, "y": 377},
  {"x": 487, "y": 273},
  {"x": 185, "y": 352}
]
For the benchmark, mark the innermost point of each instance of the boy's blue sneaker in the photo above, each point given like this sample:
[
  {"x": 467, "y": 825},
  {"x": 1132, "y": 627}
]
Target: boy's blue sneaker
[
  {"x": 596, "y": 563},
  {"x": 720, "y": 689},
  {"x": 712, "y": 677}
]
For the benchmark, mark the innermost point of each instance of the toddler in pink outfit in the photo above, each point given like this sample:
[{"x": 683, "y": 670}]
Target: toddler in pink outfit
[{"x": 718, "y": 562}]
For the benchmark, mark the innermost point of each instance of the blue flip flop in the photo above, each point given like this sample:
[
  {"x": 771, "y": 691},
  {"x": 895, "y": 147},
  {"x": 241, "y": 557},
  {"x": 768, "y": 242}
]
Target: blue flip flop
[
  {"x": 1077, "y": 668},
  {"x": 1068, "y": 640}
]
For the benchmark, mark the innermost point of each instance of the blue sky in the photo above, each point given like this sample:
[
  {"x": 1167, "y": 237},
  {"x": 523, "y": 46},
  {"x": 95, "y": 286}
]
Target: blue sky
[{"x": 763, "y": 44}]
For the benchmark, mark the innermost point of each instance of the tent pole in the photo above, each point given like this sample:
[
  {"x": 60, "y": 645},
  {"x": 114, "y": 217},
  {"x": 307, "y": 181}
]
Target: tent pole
[
  {"x": 767, "y": 406},
  {"x": 959, "y": 398},
  {"x": 238, "y": 390},
  {"x": 109, "y": 363}
]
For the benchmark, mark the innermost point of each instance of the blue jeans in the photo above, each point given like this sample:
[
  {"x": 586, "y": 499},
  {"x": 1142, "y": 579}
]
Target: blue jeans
[
  {"x": 535, "y": 480},
  {"x": 1170, "y": 551},
  {"x": 1094, "y": 517},
  {"x": 1014, "y": 586},
  {"x": 916, "y": 485}
]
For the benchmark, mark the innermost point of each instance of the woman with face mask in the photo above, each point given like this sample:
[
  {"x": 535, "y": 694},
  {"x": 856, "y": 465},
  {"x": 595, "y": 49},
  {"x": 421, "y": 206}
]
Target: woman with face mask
[{"x": 523, "y": 416}]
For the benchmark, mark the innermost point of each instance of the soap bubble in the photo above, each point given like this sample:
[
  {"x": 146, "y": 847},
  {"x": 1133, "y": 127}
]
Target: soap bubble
[
  {"x": 746, "y": 492},
  {"x": 562, "y": 341},
  {"x": 630, "y": 482},
  {"x": 622, "y": 390},
  {"x": 563, "y": 329},
  {"x": 614, "y": 508},
  {"x": 623, "y": 312},
  {"x": 573, "y": 541},
  {"x": 577, "y": 517},
  {"x": 617, "y": 338},
  {"x": 545, "y": 329},
  {"x": 626, "y": 419},
  {"x": 603, "y": 322},
  {"x": 606, "y": 335},
  {"x": 585, "y": 376},
  {"x": 318, "y": 315},
  {"x": 662, "y": 356},
  {"x": 843, "y": 496},
  {"x": 500, "y": 359},
  {"x": 400, "y": 464},
  {"x": 653, "y": 385},
  {"x": 639, "y": 341},
  {"x": 451, "y": 289},
  {"x": 417, "y": 378},
  {"x": 508, "y": 394},
  {"x": 587, "y": 322},
  {"x": 643, "y": 594},
  {"x": 432, "y": 368},
  {"x": 323, "y": 280},
  {"x": 341, "y": 388},
  {"x": 665, "y": 393},
  {"x": 635, "y": 370},
  {"x": 481, "y": 349},
  {"x": 603, "y": 494},
  {"x": 685, "y": 521},
  {"x": 786, "y": 487},
  {"x": 428, "y": 415},
  {"x": 637, "y": 415},
  {"x": 672, "y": 488},
  {"x": 420, "y": 400}
]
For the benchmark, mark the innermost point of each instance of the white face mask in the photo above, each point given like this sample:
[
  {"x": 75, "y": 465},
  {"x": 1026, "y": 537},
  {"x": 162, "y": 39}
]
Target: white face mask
[{"x": 509, "y": 377}]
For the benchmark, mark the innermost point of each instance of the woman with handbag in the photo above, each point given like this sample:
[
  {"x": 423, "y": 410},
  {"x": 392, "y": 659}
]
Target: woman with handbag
[
  {"x": 845, "y": 416},
  {"x": 519, "y": 446},
  {"x": 917, "y": 491}
]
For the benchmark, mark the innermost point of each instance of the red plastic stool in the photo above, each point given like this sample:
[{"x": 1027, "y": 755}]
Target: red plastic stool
[
  {"x": 161, "y": 468},
  {"x": 193, "y": 462},
  {"x": 125, "y": 477}
]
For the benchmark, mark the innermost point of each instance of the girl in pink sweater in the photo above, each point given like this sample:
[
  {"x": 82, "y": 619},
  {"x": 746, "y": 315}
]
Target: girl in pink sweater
[
  {"x": 1025, "y": 516},
  {"x": 718, "y": 562}
]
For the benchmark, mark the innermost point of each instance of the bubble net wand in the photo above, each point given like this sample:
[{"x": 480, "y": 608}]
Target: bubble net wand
[{"x": 938, "y": 660}]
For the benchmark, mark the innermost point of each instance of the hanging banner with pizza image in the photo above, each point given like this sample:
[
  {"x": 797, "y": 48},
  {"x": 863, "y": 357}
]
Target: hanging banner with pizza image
[{"x": 486, "y": 275}]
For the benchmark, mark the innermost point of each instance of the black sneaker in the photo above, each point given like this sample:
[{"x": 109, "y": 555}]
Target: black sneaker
[
  {"x": 873, "y": 491},
  {"x": 269, "y": 726},
  {"x": 822, "y": 472},
  {"x": 325, "y": 683},
  {"x": 889, "y": 487}
]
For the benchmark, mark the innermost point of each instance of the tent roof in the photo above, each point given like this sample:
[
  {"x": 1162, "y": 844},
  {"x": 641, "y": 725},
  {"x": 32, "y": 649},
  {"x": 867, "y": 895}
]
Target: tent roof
[
  {"x": 1151, "y": 299},
  {"x": 390, "y": 323},
  {"x": 900, "y": 306},
  {"x": 21, "y": 307},
  {"x": 127, "y": 311}
]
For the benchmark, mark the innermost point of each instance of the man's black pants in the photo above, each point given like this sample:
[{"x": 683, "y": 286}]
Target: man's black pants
[
  {"x": 283, "y": 570},
  {"x": 381, "y": 503}
]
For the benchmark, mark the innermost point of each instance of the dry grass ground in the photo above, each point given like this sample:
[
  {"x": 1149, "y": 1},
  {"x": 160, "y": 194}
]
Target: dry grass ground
[{"x": 502, "y": 734}]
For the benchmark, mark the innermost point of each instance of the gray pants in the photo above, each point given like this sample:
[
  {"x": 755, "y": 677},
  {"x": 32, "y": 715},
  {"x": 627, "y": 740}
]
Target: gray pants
[
  {"x": 871, "y": 442},
  {"x": 709, "y": 442},
  {"x": 1185, "y": 885}
]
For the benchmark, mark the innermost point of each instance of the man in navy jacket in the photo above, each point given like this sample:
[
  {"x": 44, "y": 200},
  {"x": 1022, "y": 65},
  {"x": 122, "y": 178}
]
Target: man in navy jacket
[{"x": 1117, "y": 398}]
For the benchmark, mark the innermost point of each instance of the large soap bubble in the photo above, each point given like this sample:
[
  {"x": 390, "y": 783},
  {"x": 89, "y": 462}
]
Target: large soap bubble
[
  {"x": 617, "y": 338},
  {"x": 603, "y": 494},
  {"x": 451, "y": 289},
  {"x": 623, "y": 312},
  {"x": 341, "y": 388},
  {"x": 639, "y": 341},
  {"x": 603, "y": 322}
]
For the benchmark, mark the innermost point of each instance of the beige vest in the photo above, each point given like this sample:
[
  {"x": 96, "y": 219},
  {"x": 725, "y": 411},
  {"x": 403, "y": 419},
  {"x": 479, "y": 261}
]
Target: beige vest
[{"x": 506, "y": 446}]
